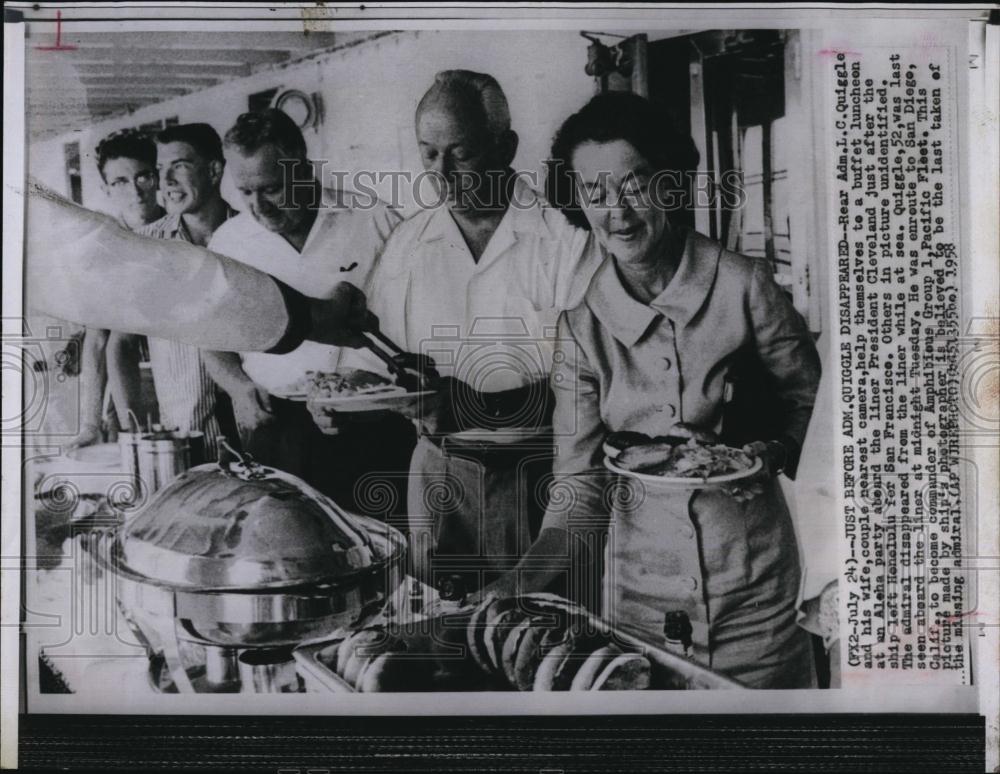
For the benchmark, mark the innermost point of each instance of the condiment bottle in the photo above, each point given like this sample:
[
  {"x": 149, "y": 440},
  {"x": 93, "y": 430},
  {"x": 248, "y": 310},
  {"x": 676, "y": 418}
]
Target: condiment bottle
[
  {"x": 451, "y": 590},
  {"x": 677, "y": 632},
  {"x": 416, "y": 596}
]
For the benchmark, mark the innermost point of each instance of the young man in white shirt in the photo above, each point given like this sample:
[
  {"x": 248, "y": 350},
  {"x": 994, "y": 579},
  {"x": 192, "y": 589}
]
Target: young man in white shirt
[
  {"x": 310, "y": 238},
  {"x": 190, "y": 163},
  {"x": 126, "y": 161}
]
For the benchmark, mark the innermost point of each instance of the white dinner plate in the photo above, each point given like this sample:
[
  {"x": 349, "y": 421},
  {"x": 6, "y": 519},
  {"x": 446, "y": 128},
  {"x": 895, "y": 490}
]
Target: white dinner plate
[
  {"x": 378, "y": 401},
  {"x": 298, "y": 397},
  {"x": 501, "y": 436},
  {"x": 686, "y": 482}
]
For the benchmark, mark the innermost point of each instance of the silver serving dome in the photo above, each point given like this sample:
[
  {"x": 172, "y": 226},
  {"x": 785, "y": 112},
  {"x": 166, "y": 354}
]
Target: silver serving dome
[{"x": 245, "y": 526}]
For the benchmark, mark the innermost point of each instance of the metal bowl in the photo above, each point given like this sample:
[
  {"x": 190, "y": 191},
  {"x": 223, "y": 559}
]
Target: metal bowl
[
  {"x": 274, "y": 616},
  {"x": 247, "y": 526},
  {"x": 246, "y": 556}
]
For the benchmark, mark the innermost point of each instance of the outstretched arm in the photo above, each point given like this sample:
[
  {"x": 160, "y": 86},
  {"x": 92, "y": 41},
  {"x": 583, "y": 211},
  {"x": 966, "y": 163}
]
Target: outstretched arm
[{"x": 81, "y": 264}]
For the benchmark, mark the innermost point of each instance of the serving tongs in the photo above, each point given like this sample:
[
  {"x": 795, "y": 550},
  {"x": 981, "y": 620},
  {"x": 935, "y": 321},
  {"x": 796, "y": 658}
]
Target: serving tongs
[{"x": 412, "y": 371}]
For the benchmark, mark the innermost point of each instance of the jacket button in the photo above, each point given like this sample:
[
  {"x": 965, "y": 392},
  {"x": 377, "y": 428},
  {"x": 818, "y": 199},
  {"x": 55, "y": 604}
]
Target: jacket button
[
  {"x": 671, "y": 411},
  {"x": 689, "y": 583},
  {"x": 687, "y": 530},
  {"x": 667, "y": 363}
]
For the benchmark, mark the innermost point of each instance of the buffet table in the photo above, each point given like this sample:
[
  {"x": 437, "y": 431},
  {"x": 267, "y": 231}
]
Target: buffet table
[
  {"x": 92, "y": 646},
  {"x": 238, "y": 578}
]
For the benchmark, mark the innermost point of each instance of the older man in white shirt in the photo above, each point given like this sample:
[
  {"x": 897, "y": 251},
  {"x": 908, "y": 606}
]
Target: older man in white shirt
[
  {"x": 310, "y": 238},
  {"x": 478, "y": 284}
]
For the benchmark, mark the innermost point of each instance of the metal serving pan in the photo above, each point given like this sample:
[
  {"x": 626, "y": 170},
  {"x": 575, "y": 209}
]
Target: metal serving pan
[{"x": 454, "y": 669}]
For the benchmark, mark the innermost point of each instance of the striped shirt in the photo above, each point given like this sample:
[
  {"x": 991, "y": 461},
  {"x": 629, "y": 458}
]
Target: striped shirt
[{"x": 184, "y": 390}]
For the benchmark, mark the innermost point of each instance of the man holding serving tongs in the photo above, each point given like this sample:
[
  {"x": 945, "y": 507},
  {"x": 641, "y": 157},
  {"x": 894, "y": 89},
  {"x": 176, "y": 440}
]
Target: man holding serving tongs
[
  {"x": 477, "y": 284},
  {"x": 310, "y": 238}
]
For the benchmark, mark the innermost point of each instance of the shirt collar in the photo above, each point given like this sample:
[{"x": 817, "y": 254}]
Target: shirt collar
[
  {"x": 629, "y": 319},
  {"x": 524, "y": 216},
  {"x": 175, "y": 228},
  {"x": 686, "y": 294}
]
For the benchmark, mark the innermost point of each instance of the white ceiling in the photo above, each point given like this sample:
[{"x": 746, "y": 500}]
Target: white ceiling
[{"x": 96, "y": 75}]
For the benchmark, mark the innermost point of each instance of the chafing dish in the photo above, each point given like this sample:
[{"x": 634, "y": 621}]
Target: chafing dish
[{"x": 238, "y": 557}]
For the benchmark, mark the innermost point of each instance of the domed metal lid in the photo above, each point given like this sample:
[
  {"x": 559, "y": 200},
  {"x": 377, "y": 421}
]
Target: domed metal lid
[{"x": 246, "y": 526}]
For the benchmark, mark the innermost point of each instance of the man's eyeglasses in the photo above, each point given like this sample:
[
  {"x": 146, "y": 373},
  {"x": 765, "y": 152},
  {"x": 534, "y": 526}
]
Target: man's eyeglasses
[{"x": 144, "y": 181}]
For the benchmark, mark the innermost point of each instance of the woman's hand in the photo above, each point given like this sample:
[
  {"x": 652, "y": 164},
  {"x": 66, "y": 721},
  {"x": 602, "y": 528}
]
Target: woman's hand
[{"x": 772, "y": 454}]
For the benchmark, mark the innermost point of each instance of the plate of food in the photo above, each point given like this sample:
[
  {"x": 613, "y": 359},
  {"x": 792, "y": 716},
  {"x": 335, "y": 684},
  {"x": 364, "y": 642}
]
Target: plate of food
[
  {"x": 691, "y": 460},
  {"x": 504, "y": 435},
  {"x": 355, "y": 389}
]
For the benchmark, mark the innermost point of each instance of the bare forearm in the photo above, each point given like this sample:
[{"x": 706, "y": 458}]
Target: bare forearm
[
  {"x": 123, "y": 376},
  {"x": 93, "y": 377},
  {"x": 226, "y": 370}
]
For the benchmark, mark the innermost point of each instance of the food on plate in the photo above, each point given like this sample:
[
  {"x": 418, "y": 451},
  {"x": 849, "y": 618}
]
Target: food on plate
[
  {"x": 552, "y": 664},
  {"x": 511, "y": 647},
  {"x": 565, "y": 666},
  {"x": 628, "y": 672},
  {"x": 592, "y": 666},
  {"x": 495, "y": 635},
  {"x": 645, "y": 456},
  {"x": 619, "y": 441},
  {"x": 691, "y": 459},
  {"x": 373, "y": 659},
  {"x": 535, "y": 647},
  {"x": 392, "y": 672},
  {"x": 475, "y": 631},
  {"x": 682, "y": 431},
  {"x": 348, "y": 383},
  {"x": 359, "y": 649},
  {"x": 542, "y": 642}
]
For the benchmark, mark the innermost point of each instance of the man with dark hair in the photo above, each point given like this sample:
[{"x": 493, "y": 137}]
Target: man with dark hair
[
  {"x": 126, "y": 161},
  {"x": 190, "y": 164},
  {"x": 310, "y": 238}
]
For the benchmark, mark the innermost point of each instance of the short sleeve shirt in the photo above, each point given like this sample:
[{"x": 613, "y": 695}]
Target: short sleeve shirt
[
  {"x": 490, "y": 323},
  {"x": 344, "y": 245}
]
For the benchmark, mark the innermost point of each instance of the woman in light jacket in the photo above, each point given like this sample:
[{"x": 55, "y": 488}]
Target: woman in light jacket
[{"x": 667, "y": 332}]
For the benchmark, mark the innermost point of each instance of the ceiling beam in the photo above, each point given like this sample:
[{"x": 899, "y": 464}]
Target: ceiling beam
[
  {"x": 135, "y": 90},
  {"x": 108, "y": 68},
  {"x": 115, "y": 54},
  {"x": 239, "y": 41},
  {"x": 167, "y": 79}
]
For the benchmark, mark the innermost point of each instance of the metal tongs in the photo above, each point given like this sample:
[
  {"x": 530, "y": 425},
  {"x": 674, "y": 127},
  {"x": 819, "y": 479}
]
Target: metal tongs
[{"x": 412, "y": 371}]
